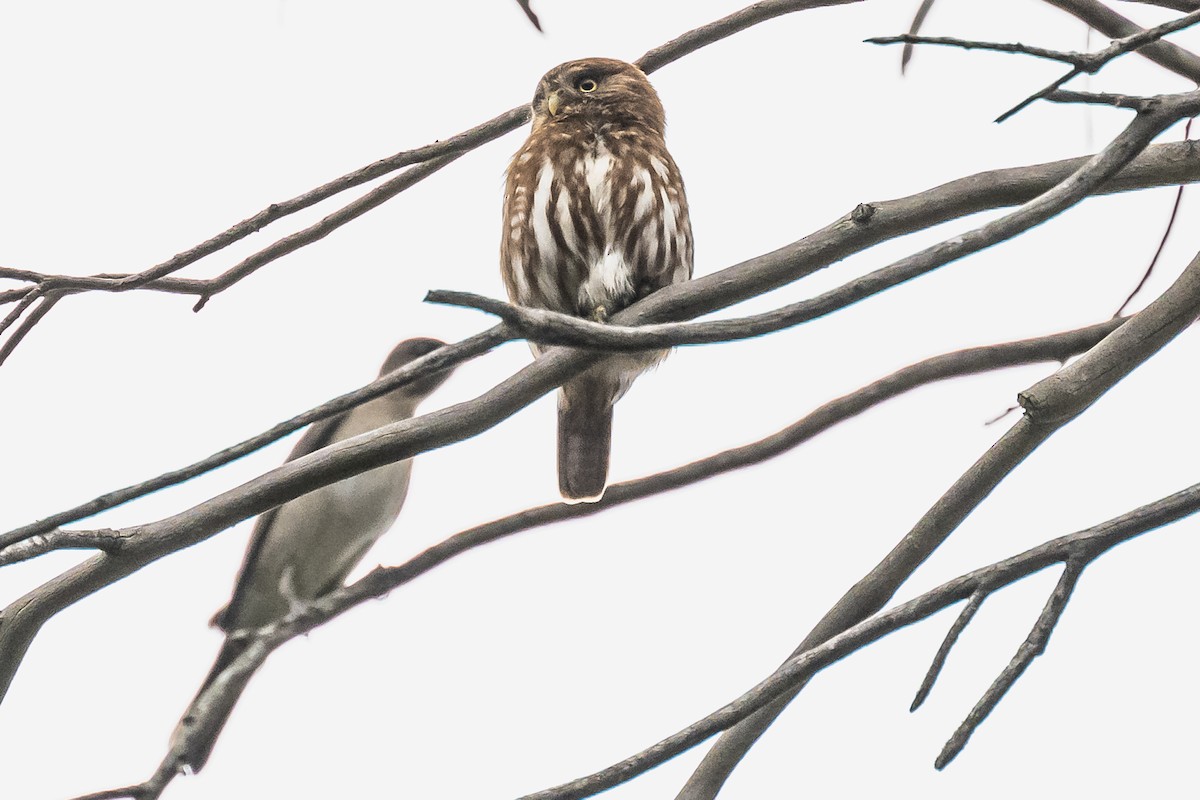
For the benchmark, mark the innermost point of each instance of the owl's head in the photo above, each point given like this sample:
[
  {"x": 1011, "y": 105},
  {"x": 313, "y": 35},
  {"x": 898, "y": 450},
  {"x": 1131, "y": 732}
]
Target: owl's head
[{"x": 602, "y": 90}]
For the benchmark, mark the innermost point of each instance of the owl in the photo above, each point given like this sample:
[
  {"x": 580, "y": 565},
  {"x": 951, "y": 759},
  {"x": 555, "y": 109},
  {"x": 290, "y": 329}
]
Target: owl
[{"x": 595, "y": 218}]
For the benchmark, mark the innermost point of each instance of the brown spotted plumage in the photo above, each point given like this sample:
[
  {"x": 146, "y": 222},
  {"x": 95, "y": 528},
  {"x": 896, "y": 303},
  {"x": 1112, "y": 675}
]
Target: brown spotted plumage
[{"x": 595, "y": 218}]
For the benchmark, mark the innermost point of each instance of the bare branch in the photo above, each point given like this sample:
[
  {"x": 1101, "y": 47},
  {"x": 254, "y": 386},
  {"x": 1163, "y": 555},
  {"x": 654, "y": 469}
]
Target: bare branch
[
  {"x": 43, "y": 306},
  {"x": 429, "y": 159},
  {"x": 1085, "y": 546},
  {"x": 1163, "y": 164},
  {"x": 939, "y": 659},
  {"x": 1175, "y": 5},
  {"x": 1132, "y": 102},
  {"x": 1162, "y": 244},
  {"x": 725, "y": 27},
  {"x": 1110, "y": 23},
  {"x": 25, "y": 298},
  {"x": 131, "y": 792},
  {"x": 106, "y": 540},
  {"x": 913, "y": 29},
  {"x": 1049, "y": 404},
  {"x": 524, "y": 4},
  {"x": 1080, "y": 547},
  {"x": 1074, "y": 59},
  {"x": 439, "y": 359},
  {"x": 1082, "y": 63},
  {"x": 1168, "y": 163},
  {"x": 21, "y": 620},
  {"x": 1033, "y": 646},
  {"x": 313, "y": 233},
  {"x": 1094, "y": 61}
]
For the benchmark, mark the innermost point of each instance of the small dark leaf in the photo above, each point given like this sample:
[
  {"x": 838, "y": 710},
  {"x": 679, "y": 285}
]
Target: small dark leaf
[
  {"x": 524, "y": 4},
  {"x": 913, "y": 30}
]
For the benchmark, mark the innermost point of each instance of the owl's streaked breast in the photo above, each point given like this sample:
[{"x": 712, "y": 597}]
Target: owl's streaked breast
[{"x": 604, "y": 224}]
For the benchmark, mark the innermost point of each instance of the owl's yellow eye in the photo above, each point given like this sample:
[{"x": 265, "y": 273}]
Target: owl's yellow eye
[{"x": 586, "y": 85}]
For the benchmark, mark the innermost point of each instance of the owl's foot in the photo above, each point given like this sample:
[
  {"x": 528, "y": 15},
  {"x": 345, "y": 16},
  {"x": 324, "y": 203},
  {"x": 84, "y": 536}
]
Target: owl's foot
[{"x": 600, "y": 314}]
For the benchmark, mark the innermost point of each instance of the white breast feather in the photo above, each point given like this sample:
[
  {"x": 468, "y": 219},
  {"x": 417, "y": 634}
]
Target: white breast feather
[
  {"x": 609, "y": 276},
  {"x": 539, "y": 214}
]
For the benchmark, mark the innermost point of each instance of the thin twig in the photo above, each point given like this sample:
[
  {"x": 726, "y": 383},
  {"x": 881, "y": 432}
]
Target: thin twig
[
  {"x": 1068, "y": 57},
  {"x": 939, "y": 659},
  {"x": 1094, "y": 61},
  {"x": 1033, "y": 646},
  {"x": 441, "y": 358},
  {"x": 1081, "y": 63},
  {"x": 913, "y": 29},
  {"x": 524, "y": 4},
  {"x": 40, "y": 310},
  {"x": 448, "y": 148},
  {"x": 1158, "y": 165},
  {"x": 1084, "y": 546},
  {"x": 1131, "y": 102},
  {"x": 27, "y": 297},
  {"x": 313, "y": 233},
  {"x": 106, "y": 540},
  {"x": 20, "y": 621},
  {"x": 1174, "y": 5},
  {"x": 131, "y": 792},
  {"x": 1108, "y": 22},
  {"x": 790, "y": 263},
  {"x": 1049, "y": 404},
  {"x": 1162, "y": 243},
  {"x": 1079, "y": 548}
]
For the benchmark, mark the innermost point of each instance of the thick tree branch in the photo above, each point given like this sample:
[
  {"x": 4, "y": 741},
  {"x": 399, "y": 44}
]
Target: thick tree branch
[
  {"x": 1158, "y": 165},
  {"x": 443, "y": 357},
  {"x": 384, "y": 580},
  {"x": 1049, "y": 405},
  {"x": 796, "y": 671},
  {"x": 1175, "y": 5},
  {"x": 1113, "y": 25},
  {"x": 21, "y": 620},
  {"x": 1059, "y": 185},
  {"x": 427, "y": 159}
]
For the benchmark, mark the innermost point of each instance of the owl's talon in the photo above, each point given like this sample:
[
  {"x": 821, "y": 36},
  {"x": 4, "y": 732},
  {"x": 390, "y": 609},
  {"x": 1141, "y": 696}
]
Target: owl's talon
[{"x": 600, "y": 314}]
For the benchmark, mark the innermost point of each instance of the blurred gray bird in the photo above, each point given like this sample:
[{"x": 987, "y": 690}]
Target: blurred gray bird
[{"x": 305, "y": 548}]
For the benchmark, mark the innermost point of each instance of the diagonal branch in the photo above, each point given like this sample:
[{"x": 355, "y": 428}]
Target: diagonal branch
[
  {"x": 1099, "y": 16},
  {"x": 859, "y": 230},
  {"x": 796, "y": 671},
  {"x": 428, "y": 159},
  {"x": 939, "y": 659},
  {"x": 1090, "y": 544},
  {"x": 1033, "y": 646},
  {"x": 868, "y": 225},
  {"x": 439, "y": 359},
  {"x": 44, "y": 303},
  {"x": 1049, "y": 404},
  {"x": 1081, "y": 63},
  {"x": 21, "y": 620}
]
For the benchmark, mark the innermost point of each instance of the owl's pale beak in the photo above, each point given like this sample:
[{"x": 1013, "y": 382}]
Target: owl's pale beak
[{"x": 552, "y": 103}]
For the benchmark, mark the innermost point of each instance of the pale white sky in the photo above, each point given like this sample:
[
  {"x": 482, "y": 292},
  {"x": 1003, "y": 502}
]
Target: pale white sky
[{"x": 135, "y": 130}]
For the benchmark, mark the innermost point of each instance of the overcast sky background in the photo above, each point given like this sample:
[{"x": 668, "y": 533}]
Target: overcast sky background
[{"x": 136, "y": 130}]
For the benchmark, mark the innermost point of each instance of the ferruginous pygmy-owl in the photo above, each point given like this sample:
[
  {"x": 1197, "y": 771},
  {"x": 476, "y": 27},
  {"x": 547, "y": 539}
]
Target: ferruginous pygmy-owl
[{"x": 594, "y": 218}]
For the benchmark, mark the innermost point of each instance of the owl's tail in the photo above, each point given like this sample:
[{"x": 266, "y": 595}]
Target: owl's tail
[
  {"x": 196, "y": 734},
  {"x": 584, "y": 438}
]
